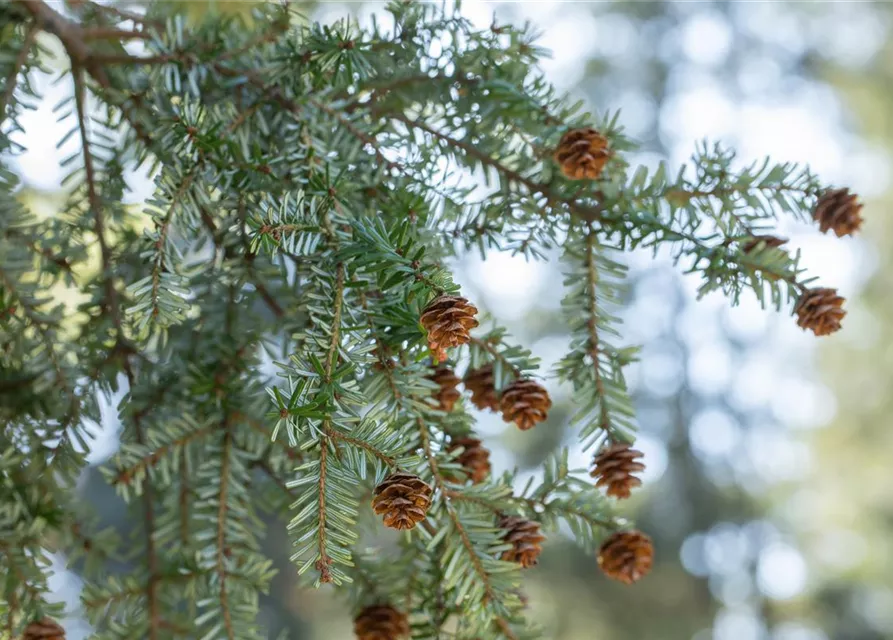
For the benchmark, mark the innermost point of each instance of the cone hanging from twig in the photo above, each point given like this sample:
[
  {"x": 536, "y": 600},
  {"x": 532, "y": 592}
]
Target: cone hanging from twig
[
  {"x": 475, "y": 458},
  {"x": 481, "y": 383},
  {"x": 626, "y": 556},
  {"x": 403, "y": 499},
  {"x": 582, "y": 154},
  {"x": 525, "y": 403},
  {"x": 44, "y": 629},
  {"x": 447, "y": 394},
  {"x": 525, "y": 538},
  {"x": 381, "y": 622},
  {"x": 614, "y": 466},
  {"x": 448, "y": 320},
  {"x": 839, "y": 211},
  {"x": 820, "y": 310}
]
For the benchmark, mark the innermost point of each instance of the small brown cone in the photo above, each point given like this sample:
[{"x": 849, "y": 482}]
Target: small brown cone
[
  {"x": 483, "y": 388},
  {"x": 525, "y": 403},
  {"x": 839, "y": 211},
  {"x": 820, "y": 310},
  {"x": 381, "y": 622},
  {"x": 582, "y": 154},
  {"x": 44, "y": 629},
  {"x": 614, "y": 466},
  {"x": 626, "y": 556},
  {"x": 403, "y": 499},
  {"x": 475, "y": 459},
  {"x": 766, "y": 241},
  {"x": 525, "y": 538},
  {"x": 447, "y": 394},
  {"x": 448, "y": 320}
]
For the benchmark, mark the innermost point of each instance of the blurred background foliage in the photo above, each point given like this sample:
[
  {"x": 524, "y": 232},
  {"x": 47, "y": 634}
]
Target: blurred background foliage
[{"x": 768, "y": 492}]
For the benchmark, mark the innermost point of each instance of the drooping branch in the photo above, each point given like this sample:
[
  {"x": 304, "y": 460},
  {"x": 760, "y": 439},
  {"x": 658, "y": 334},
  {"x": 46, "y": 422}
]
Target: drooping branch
[{"x": 490, "y": 594}]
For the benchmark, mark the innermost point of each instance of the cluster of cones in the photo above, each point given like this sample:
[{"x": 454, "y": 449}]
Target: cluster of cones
[
  {"x": 403, "y": 498},
  {"x": 820, "y": 309},
  {"x": 627, "y": 556},
  {"x": 583, "y": 153},
  {"x": 524, "y": 402},
  {"x": 447, "y": 320}
]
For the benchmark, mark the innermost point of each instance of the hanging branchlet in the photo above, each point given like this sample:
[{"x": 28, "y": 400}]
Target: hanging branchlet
[{"x": 311, "y": 182}]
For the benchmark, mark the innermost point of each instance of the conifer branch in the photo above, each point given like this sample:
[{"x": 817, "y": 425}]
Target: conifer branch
[
  {"x": 490, "y": 594},
  {"x": 324, "y": 560},
  {"x": 336, "y": 161},
  {"x": 592, "y": 327},
  {"x": 99, "y": 224},
  {"x": 125, "y": 475}
]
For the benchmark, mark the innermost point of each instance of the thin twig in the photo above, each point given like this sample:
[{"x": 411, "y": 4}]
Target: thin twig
[
  {"x": 489, "y": 348},
  {"x": 324, "y": 560},
  {"x": 592, "y": 327},
  {"x": 10, "y": 86},
  {"x": 337, "y": 435}
]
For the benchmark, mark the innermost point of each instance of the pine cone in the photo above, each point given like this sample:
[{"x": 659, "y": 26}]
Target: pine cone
[
  {"x": 403, "y": 498},
  {"x": 582, "y": 153},
  {"x": 447, "y": 320},
  {"x": 483, "y": 388},
  {"x": 820, "y": 310},
  {"x": 381, "y": 622},
  {"x": 626, "y": 556},
  {"x": 474, "y": 458},
  {"x": 45, "y": 629},
  {"x": 767, "y": 242},
  {"x": 614, "y": 467},
  {"x": 838, "y": 210},
  {"x": 525, "y": 403},
  {"x": 448, "y": 394},
  {"x": 525, "y": 538}
]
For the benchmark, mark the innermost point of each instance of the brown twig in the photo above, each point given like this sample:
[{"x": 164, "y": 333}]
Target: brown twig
[
  {"x": 10, "y": 86},
  {"x": 489, "y": 348},
  {"x": 324, "y": 560},
  {"x": 70, "y": 34}
]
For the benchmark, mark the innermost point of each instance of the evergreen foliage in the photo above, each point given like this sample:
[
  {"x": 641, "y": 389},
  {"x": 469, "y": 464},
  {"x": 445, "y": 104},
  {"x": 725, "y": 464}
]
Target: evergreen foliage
[{"x": 262, "y": 310}]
